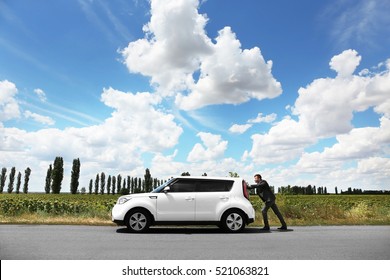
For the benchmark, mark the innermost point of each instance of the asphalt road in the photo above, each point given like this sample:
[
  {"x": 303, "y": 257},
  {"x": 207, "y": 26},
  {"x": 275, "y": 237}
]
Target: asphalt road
[{"x": 62, "y": 242}]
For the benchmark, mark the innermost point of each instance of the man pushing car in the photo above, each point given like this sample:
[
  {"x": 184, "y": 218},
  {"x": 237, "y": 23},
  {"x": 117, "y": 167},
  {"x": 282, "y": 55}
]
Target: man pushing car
[{"x": 268, "y": 197}]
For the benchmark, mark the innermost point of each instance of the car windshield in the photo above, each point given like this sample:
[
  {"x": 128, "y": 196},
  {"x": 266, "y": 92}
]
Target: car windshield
[{"x": 160, "y": 188}]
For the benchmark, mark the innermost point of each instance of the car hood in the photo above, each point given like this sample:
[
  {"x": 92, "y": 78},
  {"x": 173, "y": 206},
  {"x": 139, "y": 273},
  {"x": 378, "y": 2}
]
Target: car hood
[{"x": 135, "y": 195}]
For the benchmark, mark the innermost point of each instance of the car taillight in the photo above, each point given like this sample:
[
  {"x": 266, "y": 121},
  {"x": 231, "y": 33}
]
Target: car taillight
[{"x": 245, "y": 190}]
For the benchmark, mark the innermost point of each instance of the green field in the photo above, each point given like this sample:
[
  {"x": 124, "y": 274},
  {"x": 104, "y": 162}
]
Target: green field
[
  {"x": 332, "y": 209},
  {"x": 56, "y": 208},
  {"x": 297, "y": 209}
]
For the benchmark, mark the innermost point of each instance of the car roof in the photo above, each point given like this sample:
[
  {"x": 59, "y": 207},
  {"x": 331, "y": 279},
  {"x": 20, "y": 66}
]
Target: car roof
[{"x": 208, "y": 178}]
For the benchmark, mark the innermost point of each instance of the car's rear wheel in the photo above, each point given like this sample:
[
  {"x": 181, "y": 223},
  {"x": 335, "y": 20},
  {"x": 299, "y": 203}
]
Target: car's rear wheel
[
  {"x": 138, "y": 220},
  {"x": 233, "y": 221}
]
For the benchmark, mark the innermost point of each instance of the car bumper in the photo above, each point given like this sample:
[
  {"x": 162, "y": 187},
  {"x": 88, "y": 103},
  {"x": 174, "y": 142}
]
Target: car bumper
[
  {"x": 117, "y": 215},
  {"x": 119, "y": 222}
]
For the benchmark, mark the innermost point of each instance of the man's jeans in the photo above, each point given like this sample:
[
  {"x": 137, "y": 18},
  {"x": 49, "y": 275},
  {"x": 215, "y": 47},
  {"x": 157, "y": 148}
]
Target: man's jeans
[{"x": 272, "y": 205}]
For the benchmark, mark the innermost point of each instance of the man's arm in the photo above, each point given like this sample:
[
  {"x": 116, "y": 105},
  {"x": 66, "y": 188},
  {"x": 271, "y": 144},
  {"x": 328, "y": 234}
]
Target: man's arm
[{"x": 251, "y": 187}]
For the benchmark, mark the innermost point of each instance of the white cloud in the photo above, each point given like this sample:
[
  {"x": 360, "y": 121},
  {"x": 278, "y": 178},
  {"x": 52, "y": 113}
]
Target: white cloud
[
  {"x": 41, "y": 94},
  {"x": 175, "y": 40},
  {"x": 227, "y": 74},
  {"x": 325, "y": 109},
  {"x": 375, "y": 166},
  {"x": 283, "y": 142},
  {"x": 377, "y": 92},
  {"x": 39, "y": 118},
  {"x": 135, "y": 118},
  {"x": 370, "y": 173},
  {"x": 345, "y": 63},
  {"x": 12, "y": 139},
  {"x": 358, "y": 144},
  {"x": 266, "y": 119},
  {"x": 231, "y": 75},
  {"x": 213, "y": 148},
  {"x": 9, "y": 107},
  {"x": 239, "y": 129},
  {"x": 166, "y": 166},
  {"x": 326, "y": 106},
  {"x": 219, "y": 167}
]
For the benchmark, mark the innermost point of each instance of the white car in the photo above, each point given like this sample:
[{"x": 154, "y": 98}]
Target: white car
[{"x": 221, "y": 201}]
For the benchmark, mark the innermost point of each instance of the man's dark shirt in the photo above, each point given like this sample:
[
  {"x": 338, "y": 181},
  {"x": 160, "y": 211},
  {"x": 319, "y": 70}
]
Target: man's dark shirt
[{"x": 264, "y": 191}]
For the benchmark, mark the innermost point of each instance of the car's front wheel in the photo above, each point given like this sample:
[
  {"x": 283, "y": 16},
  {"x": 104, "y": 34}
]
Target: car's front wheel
[
  {"x": 233, "y": 221},
  {"x": 138, "y": 220}
]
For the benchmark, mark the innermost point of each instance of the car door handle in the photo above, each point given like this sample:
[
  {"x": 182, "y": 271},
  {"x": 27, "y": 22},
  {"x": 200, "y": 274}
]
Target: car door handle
[
  {"x": 224, "y": 197},
  {"x": 189, "y": 198}
]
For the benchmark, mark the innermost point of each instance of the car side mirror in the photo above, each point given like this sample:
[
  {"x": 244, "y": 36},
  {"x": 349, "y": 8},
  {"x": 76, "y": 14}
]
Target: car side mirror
[{"x": 166, "y": 189}]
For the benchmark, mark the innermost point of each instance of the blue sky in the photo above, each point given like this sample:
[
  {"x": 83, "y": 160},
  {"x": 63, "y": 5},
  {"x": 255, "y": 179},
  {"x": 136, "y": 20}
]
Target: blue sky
[{"x": 295, "y": 90}]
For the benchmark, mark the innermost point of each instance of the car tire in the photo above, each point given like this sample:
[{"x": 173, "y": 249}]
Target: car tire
[
  {"x": 138, "y": 220},
  {"x": 233, "y": 221}
]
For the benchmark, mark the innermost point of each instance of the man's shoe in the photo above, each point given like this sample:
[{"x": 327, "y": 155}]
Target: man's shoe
[
  {"x": 265, "y": 228},
  {"x": 283, "y": 228}
]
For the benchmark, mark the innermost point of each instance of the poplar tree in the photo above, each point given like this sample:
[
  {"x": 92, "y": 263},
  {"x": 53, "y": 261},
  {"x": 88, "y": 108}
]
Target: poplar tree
[
  {"x": 124, "y": 185},
  {"x": 148, "y": 181},
  {"x": 27, "y": 174},
  {"x": 3, "y": 177},
  {"x": 113, "y": 184},
  {"x": 97, "y": 184},
  {"x": 136, "y": 190},
  {"x": 48, "y": 179},
  {"x": 18, "y": 182},
  {"x": 132, "y": 185},
  {"x": 102, "y": 182},
  {"x": 75, "y": 175},
  {"x": 119, "y": 183},
  {"x": 11, "y": 180},
  {"x": 57, "y": 175},
  {"x": 128, "y": 181},
  {"x": 155, "y": 183},
  {"x": 109, "y": 184},
  {"x": 90, "y": 186}
]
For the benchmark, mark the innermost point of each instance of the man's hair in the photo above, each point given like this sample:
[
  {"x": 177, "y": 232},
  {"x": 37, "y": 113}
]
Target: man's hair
[{"x": 258, "y": 175}]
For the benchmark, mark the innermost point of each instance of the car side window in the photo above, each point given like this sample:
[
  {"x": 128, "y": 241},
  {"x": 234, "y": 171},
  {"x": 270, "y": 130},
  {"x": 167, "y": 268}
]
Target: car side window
[
  {"x": 214, "y": 186},
  {"x": 183, "y": 186}
]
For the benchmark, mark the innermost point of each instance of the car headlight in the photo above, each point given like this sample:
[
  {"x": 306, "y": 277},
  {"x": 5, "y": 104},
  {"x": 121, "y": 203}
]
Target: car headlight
[{"x": 122, "y": 200}]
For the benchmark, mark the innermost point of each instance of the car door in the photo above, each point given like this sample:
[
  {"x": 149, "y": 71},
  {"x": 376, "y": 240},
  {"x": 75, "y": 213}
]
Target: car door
[
  {"x": 212, "y": 197},
  {"x": 177, "y": 204}
]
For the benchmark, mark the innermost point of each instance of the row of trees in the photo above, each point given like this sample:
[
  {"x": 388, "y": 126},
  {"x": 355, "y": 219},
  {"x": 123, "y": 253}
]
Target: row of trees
[
  {"x": 304, "y": 190},
  {"x": 11, "y": 180},
  {"x": 360, "y": 191},
  {"x": 125, "y": 185},
  {"x": 122, "y": 185},
  {"x": 310, "y": 190},
  {"x": 54, "y": 177}
]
